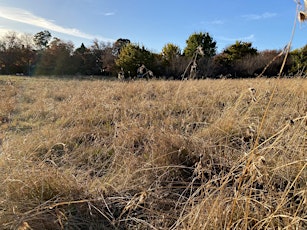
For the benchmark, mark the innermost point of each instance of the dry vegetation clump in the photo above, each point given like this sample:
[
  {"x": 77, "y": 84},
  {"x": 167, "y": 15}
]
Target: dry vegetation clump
[{"x": 209, "y": 154}]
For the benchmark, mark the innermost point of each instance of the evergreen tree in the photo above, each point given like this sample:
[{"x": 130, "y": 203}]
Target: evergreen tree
[
  {"x": 170, "y": 51},
  {"x": 132, "y": 57},
  {"x": 203, "y": 40},
  {"x": 41, "y": 39},
  {"x": 299, "y": 58},
  {"x": 239, "y": 50},
  {"x": 118, "y": 45}
]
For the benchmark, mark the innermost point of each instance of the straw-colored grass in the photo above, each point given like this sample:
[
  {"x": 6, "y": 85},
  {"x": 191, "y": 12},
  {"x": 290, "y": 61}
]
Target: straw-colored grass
[{"x": 208, "y": 154}]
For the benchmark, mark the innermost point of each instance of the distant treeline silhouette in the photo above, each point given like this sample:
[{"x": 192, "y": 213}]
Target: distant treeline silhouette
[{"x": 42, "y": 54}]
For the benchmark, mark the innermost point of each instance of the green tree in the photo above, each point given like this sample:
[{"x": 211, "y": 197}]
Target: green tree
[
  {"x": 299, "y": 59},
  {"x": 172, "y": 60},
  {"x": 237, "y": 59},
  {"x": 82, "y": 49},
  {"x": 132, "y": 56},
  {"x": 203, "y": 40},
  {"x": 118, "y": 45},
  {"x": 239, "y": 50},
  {"x": 41, "y": 39},
  {"x": 170, "y": 51}
]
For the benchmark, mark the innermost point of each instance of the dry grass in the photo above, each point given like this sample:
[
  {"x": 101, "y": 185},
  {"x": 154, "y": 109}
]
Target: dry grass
[{"x": 153, "y": 155}]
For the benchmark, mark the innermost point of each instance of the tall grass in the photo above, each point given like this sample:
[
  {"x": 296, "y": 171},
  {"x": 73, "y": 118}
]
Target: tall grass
[{"x": 153, "y": 155}]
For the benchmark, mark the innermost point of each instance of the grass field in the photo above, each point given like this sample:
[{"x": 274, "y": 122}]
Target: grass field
[{"x": 207, "y": 154}]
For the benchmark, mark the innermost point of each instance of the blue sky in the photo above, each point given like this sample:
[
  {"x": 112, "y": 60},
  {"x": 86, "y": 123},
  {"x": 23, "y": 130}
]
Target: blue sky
[{"x": 153, "y": 23}]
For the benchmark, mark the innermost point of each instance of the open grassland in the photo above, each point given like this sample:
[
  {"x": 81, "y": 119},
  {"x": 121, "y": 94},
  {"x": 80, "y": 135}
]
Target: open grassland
[{"x": 209, "y": 154}]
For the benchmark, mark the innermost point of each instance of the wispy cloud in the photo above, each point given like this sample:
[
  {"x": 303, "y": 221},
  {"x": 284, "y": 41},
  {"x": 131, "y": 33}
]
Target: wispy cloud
[
  {"x": 23, "y": 16},
  {"x": 247, "y": 38},
  {"x": 109, "y": 14},
  {"x": 265, "y": 15}
]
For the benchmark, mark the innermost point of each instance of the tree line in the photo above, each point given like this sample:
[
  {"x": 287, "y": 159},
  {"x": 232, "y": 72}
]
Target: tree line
[{"x": 42, "y": 54}]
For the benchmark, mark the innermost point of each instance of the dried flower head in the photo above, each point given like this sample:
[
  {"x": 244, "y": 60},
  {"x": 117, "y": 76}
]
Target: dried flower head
[
  {"x": 302, "y": 15},
  {"x": 200, "y": 50},
  {"x": 252, "y": 90}
]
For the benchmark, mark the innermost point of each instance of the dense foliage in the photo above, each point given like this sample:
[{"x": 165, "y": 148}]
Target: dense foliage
[{"x": 42, "y": 54}]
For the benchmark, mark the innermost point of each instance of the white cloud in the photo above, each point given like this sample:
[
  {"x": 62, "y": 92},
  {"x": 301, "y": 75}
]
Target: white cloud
[
  {"x": 259, "y": 16},
  {"x": 23, "y": 16}
]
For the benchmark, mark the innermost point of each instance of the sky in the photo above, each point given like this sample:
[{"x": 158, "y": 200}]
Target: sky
[{"x": 268, "y": 24}]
